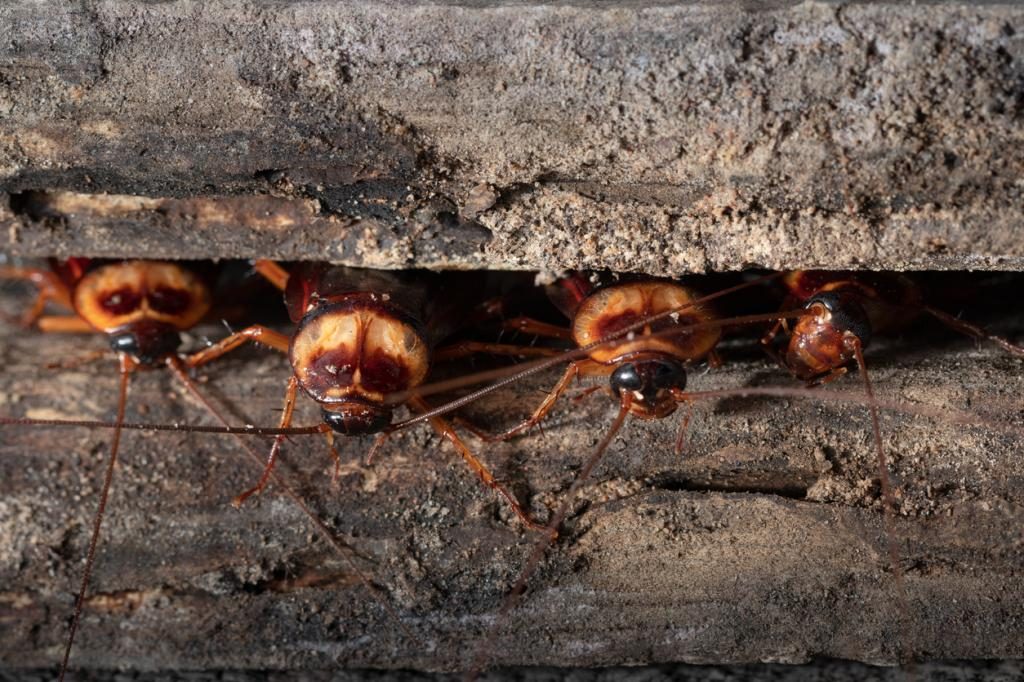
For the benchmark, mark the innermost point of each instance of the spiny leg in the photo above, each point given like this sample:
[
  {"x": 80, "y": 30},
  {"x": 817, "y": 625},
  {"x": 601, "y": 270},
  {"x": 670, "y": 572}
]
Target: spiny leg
[
  {"x": 254, "y": 334},
  {"x": 63, "y": 324},
  {"x": 125, "y": 368},
  {"x": 272, "y": 272},
  {"x": 768, "y": 340},
  {"x": 974, "y": 331},
  {"x": 571, "y": 372},
  {"x": 446, "y": 431},
  {"x": 275, "y": 449}
]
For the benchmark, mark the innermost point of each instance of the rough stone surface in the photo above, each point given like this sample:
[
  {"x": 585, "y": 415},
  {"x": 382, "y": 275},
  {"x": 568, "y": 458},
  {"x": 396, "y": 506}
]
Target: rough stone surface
[
  {"x": 765, "y": 542},
  {"x": 652, "y": 136}
]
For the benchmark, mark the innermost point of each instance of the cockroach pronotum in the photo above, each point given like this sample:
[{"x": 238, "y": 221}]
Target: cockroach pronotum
[{"x": 142, "y": 307}]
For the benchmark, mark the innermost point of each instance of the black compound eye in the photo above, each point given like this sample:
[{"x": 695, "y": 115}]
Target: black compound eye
[
  {"x": 357, "y": 422},
  {"x": 829, "y": 299},
  {"x": 669, "y": 375},
  {"x": 625, "y": 378},
  {"x": 124, "y": 343},
  {"x": 848, "y": 315}
]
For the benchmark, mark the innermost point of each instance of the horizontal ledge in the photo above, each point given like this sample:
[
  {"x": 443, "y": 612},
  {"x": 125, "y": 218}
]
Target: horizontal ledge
[
  {"x": 659, "y": 137},
  {"x": 648, "y": 239}
]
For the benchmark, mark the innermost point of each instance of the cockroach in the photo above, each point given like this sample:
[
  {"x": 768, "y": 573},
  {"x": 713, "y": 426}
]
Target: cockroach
[
  {"x": 142, "y": 307},
  {"x": 662, "y": 326},
  {"x": 844, "y": 310},
  {"x": 361, "y": 336}
]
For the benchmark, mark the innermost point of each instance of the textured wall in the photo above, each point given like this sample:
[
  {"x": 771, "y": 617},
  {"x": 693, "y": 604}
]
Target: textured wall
[{"x": 664, "y": 137}]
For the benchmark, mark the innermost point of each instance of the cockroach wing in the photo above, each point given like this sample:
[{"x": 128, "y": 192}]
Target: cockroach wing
[
  {"x": 312, "y": 283},
  {"x": 457, "y": 301}
]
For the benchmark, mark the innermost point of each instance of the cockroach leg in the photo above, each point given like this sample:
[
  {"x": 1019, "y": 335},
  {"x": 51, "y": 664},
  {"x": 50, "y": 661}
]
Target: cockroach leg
[
  {"x": 768, "y": 342},
  {"x": 585, "y": 393},
  {"x": 254, "y": 334},
  {"x": 888, "y": 500},
  {"x": 286, "y": 420},
  {"x": 974, "y": 331},
  {"x": 571, "y": 372},
  {"x": 333, "y": 451},
  {"x": 36, "y": 311},
  {"x": 63, "y": 324},
  {"x": 49, "y": 288},
  {"x": 828, "y": 378},
  {"x": 446, "y": 431},
  {"x": 272, "y": 272},
  {"x": 378, "y": 443},
  {"x": 684, "y": 428}
]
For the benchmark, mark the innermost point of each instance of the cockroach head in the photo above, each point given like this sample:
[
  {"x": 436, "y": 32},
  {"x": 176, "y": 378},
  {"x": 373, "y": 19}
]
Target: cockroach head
[
  {"x": 650, "y": 381},
  {"x": 846, "y": 313},
  {"x": 355, "y": 417},
  {"x": 147, "y": 341}
]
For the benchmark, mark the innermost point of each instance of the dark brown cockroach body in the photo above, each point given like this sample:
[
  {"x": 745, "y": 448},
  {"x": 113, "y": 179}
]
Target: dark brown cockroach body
[
  {"x": 353, "y": 347},
  {"x": 142, "y": 307},
  {"x": 360, "y": 336},
  {"x": 844, "y": 310}
]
